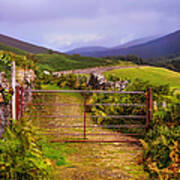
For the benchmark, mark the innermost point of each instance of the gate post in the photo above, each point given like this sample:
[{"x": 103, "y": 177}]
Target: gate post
[
  {"x": 149, "y": 107},
  {"x": 22, "y": 92},
  {"x": 84, "y": 117},
  {"x": 17, "y": 102},
  {"x": 13, "y": 79}
]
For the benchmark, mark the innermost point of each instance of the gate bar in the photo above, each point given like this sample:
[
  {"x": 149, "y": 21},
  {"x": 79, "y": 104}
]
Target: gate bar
[
  {"x": 85, "y": 91},
  {"x": 108, "y": 116},
  {"x": 92, "y": 134},
  {"x": 95, "y": 126},
  {"x": 103, "y": 104},
  {"x": 95, "y": 141}
]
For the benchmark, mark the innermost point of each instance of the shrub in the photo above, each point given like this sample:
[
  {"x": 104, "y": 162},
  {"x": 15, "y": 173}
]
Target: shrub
[
  {"x": 159, "y": 93},
  {"x": 73, "y": 81},
  {"x": 169, "y": 114},
  {"x": 20, "y": 155},
  {"x": 161, "y": 155}
]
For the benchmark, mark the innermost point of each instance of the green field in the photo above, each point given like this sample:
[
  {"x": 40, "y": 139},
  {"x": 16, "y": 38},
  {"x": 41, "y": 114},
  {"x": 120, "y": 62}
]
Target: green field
[
  {"x": 156, "y": 76},
  {"x": 58, "y": 62}
]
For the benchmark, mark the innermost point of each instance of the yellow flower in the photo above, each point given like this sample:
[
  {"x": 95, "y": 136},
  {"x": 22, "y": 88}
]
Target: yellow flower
[
  {"x": 2, "y": 167},
  {"x": 48, "y": 162},
  {"x": 179, "y": 170}
]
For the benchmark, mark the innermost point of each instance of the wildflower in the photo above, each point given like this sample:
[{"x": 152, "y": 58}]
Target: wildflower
[{"x": 48, "y": 162}]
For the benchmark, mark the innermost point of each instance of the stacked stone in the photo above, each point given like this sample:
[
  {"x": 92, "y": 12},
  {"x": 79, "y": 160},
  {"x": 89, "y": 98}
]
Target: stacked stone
[
  {"x": 5, "y": 109},
  {"x": 25, "y": 79},
  {"x": 98, "y": 81}
]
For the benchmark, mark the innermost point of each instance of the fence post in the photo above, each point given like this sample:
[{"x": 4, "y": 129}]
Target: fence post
[
  {"x": 17, "y": 102},
  {"x": 13, "y": 80},
  {"x": 150, "y": 105},
  {"x": 149, "y": 108},
  {"x": 84, "y": 116},
  {"x": 22, "y": 91}
]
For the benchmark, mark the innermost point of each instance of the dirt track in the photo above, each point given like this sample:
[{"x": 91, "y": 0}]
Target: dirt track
[
  {"x": 92, "y": 161},
  {"x": 95, "y": 69}
]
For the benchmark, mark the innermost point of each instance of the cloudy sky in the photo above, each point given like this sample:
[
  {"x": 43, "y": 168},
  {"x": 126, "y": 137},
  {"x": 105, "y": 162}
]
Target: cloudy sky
[{"x": 66, "y": 24}]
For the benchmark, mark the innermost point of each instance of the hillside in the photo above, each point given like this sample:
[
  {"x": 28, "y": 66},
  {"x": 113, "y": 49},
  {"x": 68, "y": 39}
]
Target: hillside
[
  {"x": 164, "y": 46},
  {"x": 56, "y": 62},
  {"x": 15, "y": 43},
  {"x": 156, "y": 76},
  {"x": 12, "y": 49}
]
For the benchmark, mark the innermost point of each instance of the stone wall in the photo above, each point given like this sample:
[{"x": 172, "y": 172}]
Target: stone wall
[
  {"x": 98, "y": 81},
  {"x": 5, "y": 110},
  {"x": 25, "y": 79}
]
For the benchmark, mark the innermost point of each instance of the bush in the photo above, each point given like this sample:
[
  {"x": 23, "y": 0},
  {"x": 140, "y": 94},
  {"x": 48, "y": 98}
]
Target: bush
[
  {"x": 170, "y": 114},
  {"x": 161, "y": 155},
  {"x": 72, "y": 81},
  {"x": 159, "y": 93},
  {"x": 20, "y": 154}
]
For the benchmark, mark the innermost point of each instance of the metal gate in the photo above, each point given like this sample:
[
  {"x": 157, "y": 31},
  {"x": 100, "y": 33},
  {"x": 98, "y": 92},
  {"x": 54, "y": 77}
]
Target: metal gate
[{"x": 43, "y": 108}]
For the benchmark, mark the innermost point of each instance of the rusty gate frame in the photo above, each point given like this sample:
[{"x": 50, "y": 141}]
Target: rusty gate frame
[{"x": 148, "y": 116}]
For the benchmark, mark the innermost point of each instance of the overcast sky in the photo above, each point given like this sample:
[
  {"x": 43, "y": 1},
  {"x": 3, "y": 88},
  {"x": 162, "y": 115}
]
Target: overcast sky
[{"x": 66, "y": 24}]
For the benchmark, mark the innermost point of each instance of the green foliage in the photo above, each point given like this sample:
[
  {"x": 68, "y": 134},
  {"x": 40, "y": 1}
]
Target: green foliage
[
  {"x": 170, "y": 113},
  {"x": 137, "y": 85},
  {"x": 43, "y": 78},
  {"x": 20, "y": 154},
  {"x": 72, "y": 81},
  {"x": 54, "y": 152},
  {"x": 7, "y": 94},
  {"x": 22, "y": 61},
  {"x": 161, "y": 156},
  {"x": 130, "y": 57}
]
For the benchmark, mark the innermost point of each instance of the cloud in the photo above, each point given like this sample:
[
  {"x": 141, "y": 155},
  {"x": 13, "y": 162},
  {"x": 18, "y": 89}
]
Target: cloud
[
  {"x": 68, "y": 40},
  {"x": 42, "y": 10},
  {"x": 64, "y": 24}
]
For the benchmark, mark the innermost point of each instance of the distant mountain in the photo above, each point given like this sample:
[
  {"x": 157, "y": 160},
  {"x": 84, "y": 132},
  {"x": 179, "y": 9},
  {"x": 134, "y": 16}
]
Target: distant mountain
[
  {"x": 87, "y": 49},
  {"x": 163, "y": 46},
  {"x": 31, "y": 48},
  {"x": 136, "y": 42}
]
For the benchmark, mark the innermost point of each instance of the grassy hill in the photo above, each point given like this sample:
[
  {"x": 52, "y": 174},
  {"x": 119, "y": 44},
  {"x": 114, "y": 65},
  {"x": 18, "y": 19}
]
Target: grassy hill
[
  {"x": 12, "y": 49},
  {"x": 18, "y": 44},
  {"x": 56, "y": 62},
  {"x": 157, "y": 76}
]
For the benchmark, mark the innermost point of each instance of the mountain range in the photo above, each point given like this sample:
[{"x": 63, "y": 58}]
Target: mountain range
[
  {"x": 85, "y": 50},
  {"x": 150, "y": 47},
  {"x": 146, "y": 48}
]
